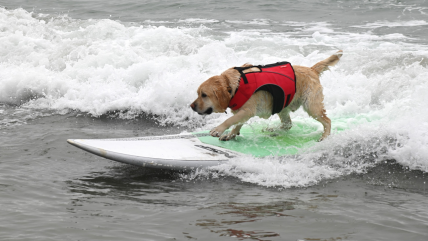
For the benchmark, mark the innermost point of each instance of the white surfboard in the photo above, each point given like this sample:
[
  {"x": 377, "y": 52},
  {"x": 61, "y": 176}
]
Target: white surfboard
[
  {"x": 174, "y": 152},
  {"x": 199, "y": 150}
]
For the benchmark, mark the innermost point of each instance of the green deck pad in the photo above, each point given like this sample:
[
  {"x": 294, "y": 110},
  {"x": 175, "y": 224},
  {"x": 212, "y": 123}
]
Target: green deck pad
[
  {"x": 305, "y": 133},
  {"x": 255, "y": 141}
]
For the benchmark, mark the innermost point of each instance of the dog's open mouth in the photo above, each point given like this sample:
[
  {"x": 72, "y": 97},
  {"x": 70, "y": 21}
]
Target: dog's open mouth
[{"x": 208, "y": 111}]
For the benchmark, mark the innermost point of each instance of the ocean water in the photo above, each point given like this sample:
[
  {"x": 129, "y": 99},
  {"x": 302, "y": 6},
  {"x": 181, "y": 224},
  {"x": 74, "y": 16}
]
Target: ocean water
[{"x": 104, "y": 69}]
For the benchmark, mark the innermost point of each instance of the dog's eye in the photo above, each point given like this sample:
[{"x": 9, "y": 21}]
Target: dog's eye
[{"x": 203, "y": 95}]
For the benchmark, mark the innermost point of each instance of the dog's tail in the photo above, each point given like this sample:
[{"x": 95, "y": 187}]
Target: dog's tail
[{"x": 330, "y": 61}]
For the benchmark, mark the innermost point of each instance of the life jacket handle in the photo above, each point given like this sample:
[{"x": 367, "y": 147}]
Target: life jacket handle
[{"x": 241, "y": 71}]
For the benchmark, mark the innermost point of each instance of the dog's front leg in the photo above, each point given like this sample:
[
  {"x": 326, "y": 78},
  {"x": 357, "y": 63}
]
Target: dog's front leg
[{"x": 239, "y": 118}]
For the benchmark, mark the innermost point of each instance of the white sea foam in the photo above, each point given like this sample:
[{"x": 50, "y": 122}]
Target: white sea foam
[
  {"x": 198, "y": 20},
  {"x": 99, "y": 66},
  {"x": 379, "y": 24},
  {"x": 261, "y": 22}
]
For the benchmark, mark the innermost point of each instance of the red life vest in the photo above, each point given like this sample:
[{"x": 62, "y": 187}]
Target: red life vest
[{"x": 278, "y": 79}]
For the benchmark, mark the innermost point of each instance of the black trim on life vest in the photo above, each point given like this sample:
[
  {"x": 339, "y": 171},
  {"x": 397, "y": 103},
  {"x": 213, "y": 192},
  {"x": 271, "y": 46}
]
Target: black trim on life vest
[
  {"x": 241, "y": 72},
  {"x": 277, "y": 94},
  {"x": 273, "y": 65},
  {"x": 261, "y": 67}
]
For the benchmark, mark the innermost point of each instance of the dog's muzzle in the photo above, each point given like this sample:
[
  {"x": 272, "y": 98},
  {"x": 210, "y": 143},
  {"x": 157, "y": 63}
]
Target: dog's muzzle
[{"x": 207, "y": 112}]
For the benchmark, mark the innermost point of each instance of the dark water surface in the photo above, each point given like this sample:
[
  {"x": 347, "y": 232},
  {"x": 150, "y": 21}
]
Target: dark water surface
[
  {"x": 107, "y": 69},
  {"x": 51, "y": 191}
]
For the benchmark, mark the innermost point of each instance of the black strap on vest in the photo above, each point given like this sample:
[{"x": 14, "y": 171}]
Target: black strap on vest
[{"x": 241, "y": 71}]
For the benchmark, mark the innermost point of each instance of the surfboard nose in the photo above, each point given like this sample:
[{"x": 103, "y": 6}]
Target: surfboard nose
[{"x": 72, "y": 142}]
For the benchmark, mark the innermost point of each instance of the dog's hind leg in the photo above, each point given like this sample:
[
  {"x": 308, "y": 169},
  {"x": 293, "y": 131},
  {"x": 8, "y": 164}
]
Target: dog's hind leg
[
  {"x": 284, "y": 116},
  {"x": 314, "y": 105},
  {"x": 315, "y": 108}
]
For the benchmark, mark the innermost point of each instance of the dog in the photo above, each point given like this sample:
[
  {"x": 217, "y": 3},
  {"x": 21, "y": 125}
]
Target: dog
[{"x": 216, "y": 93}]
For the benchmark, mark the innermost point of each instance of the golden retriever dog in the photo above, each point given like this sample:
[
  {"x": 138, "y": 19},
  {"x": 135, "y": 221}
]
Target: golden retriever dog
[{"x": 215, "y": 94}]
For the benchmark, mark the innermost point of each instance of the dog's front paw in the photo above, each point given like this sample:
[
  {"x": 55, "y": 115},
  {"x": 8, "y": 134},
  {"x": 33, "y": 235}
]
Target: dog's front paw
[
  {"x": 227, "y": 137},
  {"x": 217, "y": 132}
]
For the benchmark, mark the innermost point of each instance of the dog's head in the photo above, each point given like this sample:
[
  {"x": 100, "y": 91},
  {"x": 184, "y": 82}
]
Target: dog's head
[{"x": 213, "y": 96}]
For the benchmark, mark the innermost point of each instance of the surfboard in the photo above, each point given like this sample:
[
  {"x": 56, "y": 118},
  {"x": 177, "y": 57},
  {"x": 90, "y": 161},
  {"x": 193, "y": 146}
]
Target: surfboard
[
  {"x": 176, "y": 152},
  {"x": 199, "y": 150}
]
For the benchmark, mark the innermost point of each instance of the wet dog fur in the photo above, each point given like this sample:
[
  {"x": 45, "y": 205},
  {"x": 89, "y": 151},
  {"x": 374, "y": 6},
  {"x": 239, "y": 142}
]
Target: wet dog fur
[{"x": 215, "y": 93}]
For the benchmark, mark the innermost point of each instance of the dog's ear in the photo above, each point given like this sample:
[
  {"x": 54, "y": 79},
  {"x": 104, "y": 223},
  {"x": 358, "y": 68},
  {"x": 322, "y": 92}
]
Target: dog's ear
[
  {"x": 232, "y": 77},
  {"x": 223, "y": 97}
]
